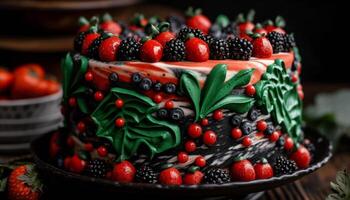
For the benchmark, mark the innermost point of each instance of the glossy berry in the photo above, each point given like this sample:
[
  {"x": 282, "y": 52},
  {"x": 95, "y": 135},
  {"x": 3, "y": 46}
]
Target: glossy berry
[
  {"x": 190, "y": 146},
  {"x": 196, "y": 50},
  {"x": 81, "y": 127},
  {"x": 262, "y": 47},
  {"x": 113, "y": 78},
  {"x": 250, "y": 90},
  {"x": 76, "y": 164},
  {"x": 209, "y": 138},
  {"x": 109, "y": 48},
  {"x": 174, "y": 50},
  {"x": 88, "y": 40},
  {"x": 301, "y": 157},
  {"x": 294, "y": 78},
  {"x": 88, "y": 147},
  {"x": 162, "y": 113},
  {"x": 200, "y": 161},
  {"x": 246, "y": 128},
  {"x": 194, "y": 130},
  {"x": 164, "y": 37},
  {"x": 243, "y": 170},
  {"x": 176, "y": 114},
  {"x": 170, "y": 176},
  {"x": 253, "y": 114},
  {"x": 151, "y": 51},
  {"x": 169, "y": 105},
  {"x": 145, "y": 84},
  {"x": 198, "y": 21},
  {"x": 102, "y": 151},
  {"x": 96, "y": 168},
  {"x": 119, "y": 103},
  {"x": 261, "y": 125},
  {"x": 169, "y": 88},
  {"x": 72, "y": 102},
  {"x": 124, "y": 172},
  {"x": 157, "y": 87},
  {"x": 218, "y": 115},
  {"x": 145, "y": 174},
  {"x": 236, "y": 133},
  {"x": 288, "y": 144},
  {"x": 98, "y": 96},
  {"x": 274, "y": 136},
  {"x": 129, "y": 49},
  {"x": 119, "y": 122},
  {"x": 110, "y": 26},
  {"x": 136, "y": 77},
  {"x": 88, "y": 76},
  {"x": 205, "y": 122},
  {"x": 270, "y": 129},
  {"x": 236, "y": 120},
  {"x": 240, "y": 49},
  {"x": 246, "y": 141},
  {"x": 157, "y": 98},
  {"x": 182, "y": 157},
  {"x": 193, "y": 178},
  {"x": 263, "y": 170}
]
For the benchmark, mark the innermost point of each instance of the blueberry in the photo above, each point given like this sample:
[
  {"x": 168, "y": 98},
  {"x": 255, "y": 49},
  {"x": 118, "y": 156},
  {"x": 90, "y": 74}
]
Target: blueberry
[
  {"x": 269, "y": 130},
  {"x": 236, "y": 120},
  {"x": 113, "y": 78},
  {"x": 246, "y": 128},
  {"x": 145, "y": 84},
  {"x": 136, "y": 77},
  {"x": 60, "y": 161},
  {"x": 280, "y": 142},
  {"x": 157, "y": 87},
  {"x": 253, "y": 114},
  {"x": 176, "y": 114},
  {"x": 170, "y": 88},
  {"x": 162, "y": 113}
]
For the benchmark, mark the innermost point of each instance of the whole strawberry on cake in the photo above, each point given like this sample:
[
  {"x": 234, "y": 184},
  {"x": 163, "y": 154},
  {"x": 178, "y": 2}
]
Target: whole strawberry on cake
[{"x": 182, "y": 101}]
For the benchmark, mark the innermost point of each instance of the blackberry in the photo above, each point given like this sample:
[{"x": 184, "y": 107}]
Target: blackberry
[
  {"x": 219, "y": 50},
  {"x": 174, "y": 50},
  {"x": 129, "y": 49},
  {"x": 78, "y": 41},
  {"x": 176, "y": 114},
  {"x": 157, "y": 87},
  {"x": 182, "y": 35},
  {"x": 246, "y": 128},
  {"x": 95, "y": 45},
  {"x": 236, "y": 120},
  {"x": 277, "y": 41},
  {"x": 284, "y": 166},
  {"x": 162, "y": 113},
  {"x": 208, "y": 39},
  {"x": 253, "y": 114},
  {"x": 96, "y": 168},
  {"x": 289, "y": 42},
  {"x": 217, "y": 176},
  {"x": 145, "y": 174},
  {"x": 240, "y": 49},
  {"x": 145, "y": 84},
  {"x": 170, "y": 88}
]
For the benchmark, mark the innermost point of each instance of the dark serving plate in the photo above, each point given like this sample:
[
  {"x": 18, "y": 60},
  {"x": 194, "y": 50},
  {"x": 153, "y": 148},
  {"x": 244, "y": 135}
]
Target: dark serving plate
[{"x": 61, "y": 183}]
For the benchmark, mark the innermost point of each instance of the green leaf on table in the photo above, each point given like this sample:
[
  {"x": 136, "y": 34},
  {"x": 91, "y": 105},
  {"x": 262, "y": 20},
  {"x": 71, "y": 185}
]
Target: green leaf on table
[{"x": 341, "y": 187}]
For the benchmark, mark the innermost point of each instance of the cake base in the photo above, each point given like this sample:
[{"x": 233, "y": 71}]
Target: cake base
[{"x": 61, "y": 183}]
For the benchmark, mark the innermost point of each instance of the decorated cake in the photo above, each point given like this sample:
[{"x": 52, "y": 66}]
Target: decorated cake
[{"x": 182, "y": 101}]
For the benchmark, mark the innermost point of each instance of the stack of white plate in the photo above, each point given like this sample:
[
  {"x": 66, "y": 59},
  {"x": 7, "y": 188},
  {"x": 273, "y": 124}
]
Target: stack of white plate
[{"x": 23, "y": 120}]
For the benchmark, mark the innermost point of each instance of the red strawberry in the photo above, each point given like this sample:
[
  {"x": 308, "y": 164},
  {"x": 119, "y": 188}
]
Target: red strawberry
[
  {"x": 90, "y": 37},
  {"x": 243, "y": 170},
  {"x": 194, "y": 177},
  {"x": 263, "y": 169},
  {"x": 196, "y": 20},
  {"x": 76, "y": 164},
  {"x": 151, "y": 50},
  {"x": 84, "y": 24},
  {"x": 109, "y": 25},
  {"x": 270, "y": 26},
  {"x": 196, "y": 49},
  {"x": 245, "y": 23},
  {"x": 262, "y": 47},
  {"x": 123, "y": 172},
  {"x": 162, "y": 33},
  {"x": 259, "y": 29},
  {"x": 108, "y": 48},
  {"x": 170, "y": 176},
  {"x": 23, "y": 184},
  {"x": 301, "y": 157}
]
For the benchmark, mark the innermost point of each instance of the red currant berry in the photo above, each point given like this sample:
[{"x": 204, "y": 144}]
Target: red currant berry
[
  {"x": 209, "y": 138},
  {"x": 194, "y": 130},
  {"x": 89, "y": 76},
  {"x": 169, "y": 105},
  {"x": 218, "y": 115},
  {"x": 236, "y": 133},
  {"x": 301, "y": 94},
  {"x": 261, "y": 125},
  {"x": 182, "y": 157},
  {"x": 205, "y": 122},
  {"x": 294, "y": 78},
  {"x": 200, "y": 161},
  {"x": 299, "y": 87},
  {"x": 119, "y": 122},
  {"x": 260, "y": 134},
  {"x": 70, "y": 142},
  {"x": 119, "y": 103},
  {"x": 81, "y": 127},
  {"x": 190, "y": 146},
  {"x": 274, "y": 136},
  {"x": 72, "y": 102},
  {"x": 158, "y": 98},
  {"x": 288, "y": 144},
  {"x": 98, "y": 96},
  {"x": 102, "y": 151},
  {"x": 246, "y": 141},
  {"x": 250, "y": 90},
  {"x": 88, "y": 147}
]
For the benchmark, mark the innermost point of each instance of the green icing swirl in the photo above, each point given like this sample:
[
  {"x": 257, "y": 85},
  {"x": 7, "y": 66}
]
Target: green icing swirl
[
  {"x": 278, "y": 95},
  {"x": 140, "y": 129}
]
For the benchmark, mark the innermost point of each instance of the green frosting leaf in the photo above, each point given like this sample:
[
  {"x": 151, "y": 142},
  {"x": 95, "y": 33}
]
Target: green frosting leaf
[
  {"x": 140, "y": 129},
  {"x": 189, "y": 85},
  {"x": 81, "y": 101},
  {"x": 278, "y": 95}
]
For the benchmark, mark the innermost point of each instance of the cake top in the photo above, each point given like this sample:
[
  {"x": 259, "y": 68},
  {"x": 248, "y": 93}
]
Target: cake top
[{"x": 193, "y": 38}]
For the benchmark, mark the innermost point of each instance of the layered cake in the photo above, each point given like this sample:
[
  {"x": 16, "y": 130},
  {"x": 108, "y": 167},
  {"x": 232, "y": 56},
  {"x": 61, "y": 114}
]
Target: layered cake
[{"x": 182, "y": 101}]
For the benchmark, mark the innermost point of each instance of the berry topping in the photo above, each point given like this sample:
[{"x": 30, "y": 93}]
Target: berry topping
[
  {"x": 277, "y": 41},
  {"x": 246, "y": 128},
  {"x": 196, "y": 20},
  {"x": 136, "y": 77},
  {"x": 170, "y": 176},
  {"x": 270, "y": 129},
  {"x": 123, "y": 172},
  {"x": 157, "y": 87},
  {"x": 163, "y": 35},
  {"x": 151, "y": 51},
  {"x": 176, "y": 114},
  {"x": 236, "y": 120},
  {"x": 76, "y": 164},
  {"x": 288, "y": 144},
  {"x": 240, "y": 49},
  {"x": 262, "y": 47},
  {"x": 194, "y": 130},
  {"x": 236, "y": 133},
  {"x": 219, "y": 50},
  {"x": 119, "y": 122},
  {"x": 182, "y": 157},
  {"x": 250, "y": 90},
  {"x": 200, "y": 161},
  {"x": 242, "y": 170},
  {"x": 301, "y": 157},
  {"x": 169, "y": 88},
  {"x": 81, "y": 127},
  {"x": 145, "y": 84},
  {"x": 169, "y": 105},
  {"x": 246, "y": 141},
  {"x": 102, "y": 151},
  {"x": 218, "y": 115},
  {"x": 253, "y": 114},
  {"x": 217, "y": 176},
  {"x": 162, "y": 113},
  {"x": 261, "y": 125},
  {"x": 89, "y": 147},
  {"x": 190, "y": 146},
  {"x": 110, "y": 26},
  {"x": 204, "y": 122},
  {"x": 129, "y": 49},
  {"x": 245, "y": 22},
  {"x": 72, "y": 102},
  {"x": 263, "y": 169},
  {"x": 88, "y": 76},
  {"x": 157, "y": 98},
  {"x": 145, "y": 174},
  {"x": 274, "y": 136},
  {"x": 98, "y": 96},
  {"x": 96, "y": 168},
  {"x": 174, "y": 50},
  {"x": 193, "y": 178},
  {"x": 119, "y": 103},
  {"x": 108, "y": 49},
  {"x": 284, "y": 166},
  {"x": 183, "y": 33},
  {"x": 209, "y": 138},
  {"x": 88, "y": 41},
  {"x": 113, "y": 78},
  {"x": 196, "y": 49}
]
